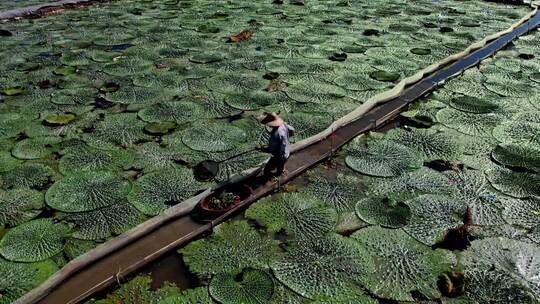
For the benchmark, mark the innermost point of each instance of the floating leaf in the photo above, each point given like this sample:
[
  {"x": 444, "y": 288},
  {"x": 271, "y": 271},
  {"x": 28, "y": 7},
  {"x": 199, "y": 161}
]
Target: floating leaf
[
  {"x": 33, "y": 241},
  {"x": 198, "y": 295},
  {"x": 384, "y": 212},
  {"x": 502, "y": 270},
  {"x": 104, "y": 222},
  {"x": 19, "y": 205},
  {"x": 518, "y": 155},
  {"x": 433, "y": 145},
  {"x": 298, "y": 214},
  {"x": 65, "y": 70},
  {"x": 411, "y": 184},
  {"x": 473, "y": 104},
  {"x": 519, "y": 132},
  {"x": 341, "y": 193},
  {"x": 323, "y": 267},
  {"x": 315, "y": 92},
  {"x": 516, "y": 184},
  {"x": 122, "y": 130},
  {"x": 469, "y": 123},
  {"x": 234, "y": 83},
  {"x": 249, "y": 287},
  {"x": 60, "y": 119},
  {"x": 87, "y": 190},
  {"x": 16, "y": 279},
  {"x": 87, "y": 158},
  {"x": 154, "y": 192},
  {"x": 385, "y": 76},
  {"x": 137, "y": 95},
  {"x": 525, "y": 213},
  {"x": 381, "y": 158},
  {"x": 35, "y": 148},
  {"x": 233, "y": 247},
  {"x": 75, "y": 247},
  {"x": 14, "y": 91},
  {"x": 177, "y": 111},
  {"x": 153, "y": 156},
  {"x": 402, "y": 264},
  {"x": 27, "y": 175},
  {"x": 213, "y": 138},
  {"x": 475, "y": 192},
  {"x": 432, "y": 216}
]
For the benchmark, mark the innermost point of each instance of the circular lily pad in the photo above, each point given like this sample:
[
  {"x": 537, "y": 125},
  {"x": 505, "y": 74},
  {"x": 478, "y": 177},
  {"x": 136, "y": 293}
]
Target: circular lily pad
[
  {"x": 383, "y": 212},
  {"x": 60, "y": 119},
  {"x": 250, "y": 286},
  {"x": 85, "y": 191},
  {"x": 65, "y": 70},
  {"x": 159, "y": 128},
  {"x": 14, "y": 91},
  {"x": 27, "y": 175},
  {"x": 382, "y": 158},
  {"x": 473, "y": 104},
  {"x": 385, "y": 76},
  {"x": 33, "y": 241},
  {"x": 19, "y": 205},
  {"x": 213, "y": 138},
  {"x": 421, "y": 51}
]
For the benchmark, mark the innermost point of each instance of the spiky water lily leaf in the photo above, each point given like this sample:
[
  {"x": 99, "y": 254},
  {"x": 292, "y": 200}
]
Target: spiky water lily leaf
[
  {"x": 525, "y": 213},
  {"x": 190, "y": 296},
  {"x": 122, "y": 130},
  {"x": 470, "y": 84},
  {"x": 359, "y": 82},
  {"x": 104, "y": 222},
  {"x": 508, "y": 87},
  {"x": 519, "y": 132},
  {"x": 301, "y": 215},
  {"x": 156, "y": 191},
  {"x": 306, "y": 124},
  {"x": 253, "y": 287},
  {"x": 228, "y": 168},
  {"x": 233, "y": 247},
  {"x": 76, "y": 247},
  {"x": 518, "y": 155},
  {"x": 341, "y": 193},
  {"x": 33, "y": 241},
  {"x": 35, "y": 148},
  {"x": 432, "y": 216},
  {"x": 16, "y": 279},
  {"x": 473, "y": 104},
  {"x": 501, "y": 270},
  {"x": 254, "y": 100},
  {"x": 19, "y": 205},
  {"x": 213, "y": 138},
  {"x": 207, "y": 57},
  {"x": 315, "y": 92},
  {"x": 516, "y": 184},
  {"x": 323, "y": 267},
  {"x": 87, "y": 190},
  {"x": 469, "y": 123},
  {"x": 12, "y": 124},
  {"x": 411, "y": 184},
  {"x": 178, "y": 111},
  {"x": 124, "y": 67},
  {"x": 7, "y": 161},
  {"x": 139, "y": 290},
  {"x": 153, "y": 156},
  {"x": 474, "y": 191},
  {"x": 26, "y": 175},
  {"x": 429, "y": 143},
  {"x": 384, "y": 212},
  {"x": 137, "y": 95},
  {"x": 234, "y": 83},
  {"x": 402, "y": 264},
  {"x": 382, "y": 158},
  {"x": 85, "y": 158}
]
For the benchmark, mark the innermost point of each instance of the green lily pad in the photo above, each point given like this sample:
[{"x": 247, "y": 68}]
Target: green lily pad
[
  {"x": 385, "y": 76},
  {"x": 420, "y": 51},
  {"x": 249, "y": 287},
  {"x": 14, "y": 91},
  {"x": 65, "y": 70},
  {"x": 157, "y": 128},
  {"x": 383, "y": 212},
  {"x": 60, "y": 119}
]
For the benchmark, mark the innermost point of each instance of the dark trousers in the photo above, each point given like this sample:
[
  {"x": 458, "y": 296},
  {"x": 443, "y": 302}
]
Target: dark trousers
[{"x": 275, "y": 163}]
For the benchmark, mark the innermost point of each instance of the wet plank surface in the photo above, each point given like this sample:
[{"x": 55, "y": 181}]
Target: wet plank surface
[{"x": 121, "y": 263}]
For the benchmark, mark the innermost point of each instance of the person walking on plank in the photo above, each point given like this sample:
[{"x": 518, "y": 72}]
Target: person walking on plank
[{"x": 278, "y": 144}]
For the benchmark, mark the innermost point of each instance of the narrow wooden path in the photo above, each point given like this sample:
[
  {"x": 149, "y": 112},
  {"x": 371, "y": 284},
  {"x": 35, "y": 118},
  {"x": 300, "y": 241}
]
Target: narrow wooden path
[
  {"x": 44, "y": 8},
  {"x": 177, "y": 232}
]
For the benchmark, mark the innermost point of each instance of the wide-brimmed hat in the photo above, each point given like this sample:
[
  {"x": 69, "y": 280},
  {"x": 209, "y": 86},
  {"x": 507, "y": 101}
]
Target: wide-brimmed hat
[{"x": 271, "y": 120}]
